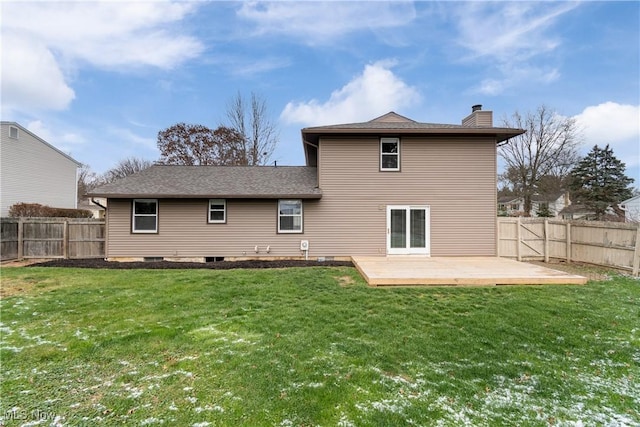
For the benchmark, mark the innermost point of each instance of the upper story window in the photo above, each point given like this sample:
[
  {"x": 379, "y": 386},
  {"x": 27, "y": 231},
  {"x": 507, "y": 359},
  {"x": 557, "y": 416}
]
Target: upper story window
[
  {"x": 289, "y": 216},
  {"x": 13, "y": 132},
  {"x": 389, "y": 154},
  {"x": 217, "y": 211},
  {"x": 145, "y": 216}
]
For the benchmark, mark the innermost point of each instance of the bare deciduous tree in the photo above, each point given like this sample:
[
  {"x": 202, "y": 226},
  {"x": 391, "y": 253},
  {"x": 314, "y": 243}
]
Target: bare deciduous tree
[
  {"x": 548, "y": 148},
  {"x": 187, "y": 144},
  {"x": 125, "y": 167},
  {"x": 87, "y": 181},
  {"x": 251, "y": 119}
]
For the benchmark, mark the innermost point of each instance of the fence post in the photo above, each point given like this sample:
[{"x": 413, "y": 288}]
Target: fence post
[
  {"x": 568, "y": 243},
  {"x": 546, "y": 240},
  {"x": 20, "y": 238},
  {"x": 518, "y": 239},
  {"x": 65, "y": 240},
  {"x": 636, "y": 254}
]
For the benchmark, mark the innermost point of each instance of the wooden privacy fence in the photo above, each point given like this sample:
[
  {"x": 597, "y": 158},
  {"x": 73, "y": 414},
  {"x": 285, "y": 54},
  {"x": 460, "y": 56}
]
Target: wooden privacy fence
[
  {"x": 51, "y": 238},
  {"x": 603, "y": 243}
]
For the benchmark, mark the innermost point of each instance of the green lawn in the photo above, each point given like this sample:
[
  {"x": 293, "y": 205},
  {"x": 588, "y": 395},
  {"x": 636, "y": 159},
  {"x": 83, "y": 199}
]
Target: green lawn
[{"x": 312, "y": 346}]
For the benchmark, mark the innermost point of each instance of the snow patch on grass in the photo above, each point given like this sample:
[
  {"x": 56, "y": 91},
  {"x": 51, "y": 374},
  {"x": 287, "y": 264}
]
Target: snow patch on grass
[
  {"x": 150, "y": 421},
  {"x": 215, "y": 334}
]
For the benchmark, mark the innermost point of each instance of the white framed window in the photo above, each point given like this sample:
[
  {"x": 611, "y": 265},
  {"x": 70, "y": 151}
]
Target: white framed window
[
  {"x": 389, "y": 154},
  {"x": 289, "y": 216},
  {"x": 217, "y": 211},
  {"x": 144, "y": 216},
  {"x": 13, "y": 132}
]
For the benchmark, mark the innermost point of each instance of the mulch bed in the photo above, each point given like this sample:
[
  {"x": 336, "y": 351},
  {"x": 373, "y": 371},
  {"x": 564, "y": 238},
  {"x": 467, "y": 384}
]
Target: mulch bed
[{"x": 219, "y": 265}]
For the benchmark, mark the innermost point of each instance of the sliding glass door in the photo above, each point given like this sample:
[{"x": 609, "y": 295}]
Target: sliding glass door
[{"x": 407, "y": 230}]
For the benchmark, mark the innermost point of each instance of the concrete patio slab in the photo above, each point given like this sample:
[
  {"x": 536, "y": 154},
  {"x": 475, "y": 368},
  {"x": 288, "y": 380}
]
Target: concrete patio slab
[{"x": 457, "y": 271}]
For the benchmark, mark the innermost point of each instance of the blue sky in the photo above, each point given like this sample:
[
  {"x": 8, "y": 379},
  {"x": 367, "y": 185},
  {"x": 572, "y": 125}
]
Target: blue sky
[{"x": 99, "y": 80}]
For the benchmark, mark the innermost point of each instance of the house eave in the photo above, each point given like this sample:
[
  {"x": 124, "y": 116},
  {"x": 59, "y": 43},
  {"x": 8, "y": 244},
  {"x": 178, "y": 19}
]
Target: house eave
[
  {"x": 312, "y": 135},
  {"x": 306, "y": 196}
]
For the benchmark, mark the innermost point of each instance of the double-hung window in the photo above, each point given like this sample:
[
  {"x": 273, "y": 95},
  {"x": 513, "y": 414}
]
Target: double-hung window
[
  {"x": 144, "y": 216},
  {"x": 289, "y": 216},
  {"x": 217, "y": 211},
  {"x": 389, "y": 154}
]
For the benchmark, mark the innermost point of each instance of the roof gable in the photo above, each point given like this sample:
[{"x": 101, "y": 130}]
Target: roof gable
[
  {"x": 37, "y": 138},
  {"x": 391, "y": 117},
  {"x": 393, "y": 124}
]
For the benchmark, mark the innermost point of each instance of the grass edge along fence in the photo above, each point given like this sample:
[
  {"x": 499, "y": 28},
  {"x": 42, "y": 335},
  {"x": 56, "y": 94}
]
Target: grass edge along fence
[
  {"x": 601, "y": 243},
  {"x": 609, "y": 244},
  {"x": 68, "y": 238}
]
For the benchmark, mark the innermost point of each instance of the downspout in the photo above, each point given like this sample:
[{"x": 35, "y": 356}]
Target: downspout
[{"x": 95, "y": 202}]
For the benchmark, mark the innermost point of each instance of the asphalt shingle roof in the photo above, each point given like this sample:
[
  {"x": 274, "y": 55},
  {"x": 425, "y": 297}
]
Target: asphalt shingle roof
[
  {"x": 164, "y": 181},
  {"x": 387, "y": 125},
  {"x": 392, "y": 123}
]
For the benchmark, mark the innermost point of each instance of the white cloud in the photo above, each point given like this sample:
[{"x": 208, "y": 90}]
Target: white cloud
[
  {"x": 510, "y": 34},
  {"x": 129, "y": 138},
  {"x": 323, "y": 22},
  {"x": 615, "y": 124},
  {"x": 374, "y": 92},
  {"x": 514, "y": 75},
  {"x": 511, "y": 30},
  {"x": 31, "y": 78},
  {"x": 51, "y": 39},
  {"x": 65, "y": 140},
  {"x": 249, "y": 67}
]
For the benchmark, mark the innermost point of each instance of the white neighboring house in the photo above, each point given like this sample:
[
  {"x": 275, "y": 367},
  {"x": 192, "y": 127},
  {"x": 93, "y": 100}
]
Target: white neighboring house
[
  {"x": 97, "y": 209},
  {"x": 631, "y": 209},
  {"x": 514, "y": 206},
  {"x": 34, "y": 171}
]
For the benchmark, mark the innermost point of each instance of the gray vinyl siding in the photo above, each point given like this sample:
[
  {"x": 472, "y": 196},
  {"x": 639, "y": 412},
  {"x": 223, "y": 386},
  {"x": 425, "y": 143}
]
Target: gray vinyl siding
[
  {"x": 31, "y": 171},
  {"x": 455, "y": 177}
]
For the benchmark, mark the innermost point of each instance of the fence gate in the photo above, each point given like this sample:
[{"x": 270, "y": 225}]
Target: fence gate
[{"x": 603, "y": 243}]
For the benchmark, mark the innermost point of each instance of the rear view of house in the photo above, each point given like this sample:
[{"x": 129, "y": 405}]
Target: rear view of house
[
  {"x": 388, "y": 186},
  {"x": 34, "y": 171}
]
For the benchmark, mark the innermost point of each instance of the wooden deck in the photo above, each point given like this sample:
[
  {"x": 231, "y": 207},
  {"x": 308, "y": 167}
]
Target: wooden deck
[{"x": 458, "y": 271}]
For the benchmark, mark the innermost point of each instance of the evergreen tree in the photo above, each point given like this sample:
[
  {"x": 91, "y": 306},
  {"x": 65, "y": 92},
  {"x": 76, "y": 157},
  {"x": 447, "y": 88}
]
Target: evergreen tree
[
  {"x": 544, "y": 211},
  {"x": 599, "y": 181}
]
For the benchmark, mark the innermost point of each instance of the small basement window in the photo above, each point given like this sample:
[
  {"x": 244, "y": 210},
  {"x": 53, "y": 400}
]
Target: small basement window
[
  {"x": 144, "y": 216},
  {"x": 214, "y": 259},
  {"x": 217, "y": 211},
  {"x": 13, "y": 132},
  {"x": 389, "y": 154},
  {"x": 153, "y": 259}
]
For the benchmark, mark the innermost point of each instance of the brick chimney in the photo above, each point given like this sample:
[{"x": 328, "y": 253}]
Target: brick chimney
[{"x": 478, "y": 118}]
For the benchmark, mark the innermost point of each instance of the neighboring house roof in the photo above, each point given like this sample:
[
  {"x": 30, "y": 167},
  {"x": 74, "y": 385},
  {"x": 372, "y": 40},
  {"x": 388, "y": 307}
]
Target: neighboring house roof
[
  {"x": 23, "y": 129},
  {"x": 576, "y": 209},
  {"x": 508, "y": 199},
  {"x": 632, "y": 199},
  {"x": 255, "y": 182},
  {"x": 547, "y": 197},
  {"x": 392, "y": 123}
]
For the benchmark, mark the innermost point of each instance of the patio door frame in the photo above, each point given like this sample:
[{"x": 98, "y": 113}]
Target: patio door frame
[{"x": 407, "y": 249}]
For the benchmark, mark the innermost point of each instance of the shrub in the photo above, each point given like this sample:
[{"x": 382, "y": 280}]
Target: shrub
[{"x": 36, "y": 210}]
